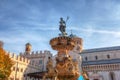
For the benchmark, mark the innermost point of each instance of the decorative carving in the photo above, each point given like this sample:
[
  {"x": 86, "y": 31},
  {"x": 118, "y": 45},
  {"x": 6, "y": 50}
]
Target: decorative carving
[
  {"x": 66, "y": 67},
  {"x": 50, "y": 65},
  {"x": 85, "y": 75},
  {"x": 52, "y": 72}
]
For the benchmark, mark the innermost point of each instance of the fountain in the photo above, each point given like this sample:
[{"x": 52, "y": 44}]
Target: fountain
[{"x": 66, "y": 68}]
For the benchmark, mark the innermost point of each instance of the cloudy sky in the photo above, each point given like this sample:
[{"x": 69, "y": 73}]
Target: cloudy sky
[{"x": 37, "y": 21}]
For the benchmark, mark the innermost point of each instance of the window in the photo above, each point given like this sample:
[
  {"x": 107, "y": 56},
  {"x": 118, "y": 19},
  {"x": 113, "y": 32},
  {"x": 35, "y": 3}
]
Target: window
[
  {"x": 23, "y": 59},
  {"x": 18, "y": 69},
  {"x": 17, "y": 58},
  {"x": 21, "y": 69},
  {"x": 86, "y": 58},
  {"x": 96, "y": 57},
  {"x": 40, "y": 61},
  {"x": 33, "y": 62},
  {"x": 112, "y": 76},
  {"x": 20, "y": 58},
  {"x": 108, "y": 56}
]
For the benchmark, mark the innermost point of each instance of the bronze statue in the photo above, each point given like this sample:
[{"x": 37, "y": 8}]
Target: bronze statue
[{"x": 62, "y": 26}]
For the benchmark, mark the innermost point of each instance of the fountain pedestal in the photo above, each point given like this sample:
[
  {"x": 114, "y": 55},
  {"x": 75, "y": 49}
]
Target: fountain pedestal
[{"x": 65, "y": 66}]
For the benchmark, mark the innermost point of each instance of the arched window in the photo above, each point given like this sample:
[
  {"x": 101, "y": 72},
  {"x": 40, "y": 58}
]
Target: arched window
[{"x": 112, "y": 75}]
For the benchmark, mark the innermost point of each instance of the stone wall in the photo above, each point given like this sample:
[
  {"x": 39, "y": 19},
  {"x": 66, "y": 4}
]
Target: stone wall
[{"x": 102, "y": 63}]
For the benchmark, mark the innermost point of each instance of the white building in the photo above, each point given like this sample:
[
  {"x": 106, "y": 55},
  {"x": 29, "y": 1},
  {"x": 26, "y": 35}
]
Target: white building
[{"x": 102, "y": 63}]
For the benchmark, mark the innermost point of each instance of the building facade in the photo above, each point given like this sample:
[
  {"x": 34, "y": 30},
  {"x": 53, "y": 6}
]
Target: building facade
[
  {"x": 22, "y": 66},
  {"x": 102, "y": 63},
  {"x": 28, "y": 62}
]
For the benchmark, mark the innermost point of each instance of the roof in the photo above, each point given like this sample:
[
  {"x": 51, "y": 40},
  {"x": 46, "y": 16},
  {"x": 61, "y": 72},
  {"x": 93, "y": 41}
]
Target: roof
[
  {"x": 97, "y": 62},
  {"x": 37, "y": 74},
  {"x": 28, "y": 44},
  {"x": 101, "y": 49}
]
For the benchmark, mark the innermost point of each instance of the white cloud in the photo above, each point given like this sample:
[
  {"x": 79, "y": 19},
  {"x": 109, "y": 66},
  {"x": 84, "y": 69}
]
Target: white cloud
[
  {"x": 91, "y": 30},
  {"x": 103, "y": 32}
]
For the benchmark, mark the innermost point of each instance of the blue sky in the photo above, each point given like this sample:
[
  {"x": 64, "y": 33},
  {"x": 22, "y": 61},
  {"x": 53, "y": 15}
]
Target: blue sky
[{"x": 37, "y": 21}]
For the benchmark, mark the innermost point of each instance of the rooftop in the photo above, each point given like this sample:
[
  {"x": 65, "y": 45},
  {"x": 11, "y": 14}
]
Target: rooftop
[{"x": 101, "y": 49}]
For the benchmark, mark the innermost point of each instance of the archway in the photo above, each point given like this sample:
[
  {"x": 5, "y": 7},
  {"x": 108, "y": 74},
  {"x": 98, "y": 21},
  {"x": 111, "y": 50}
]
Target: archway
[
  {"x": 96, "y": 76},
  {"x": 112, "y": 76}
]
